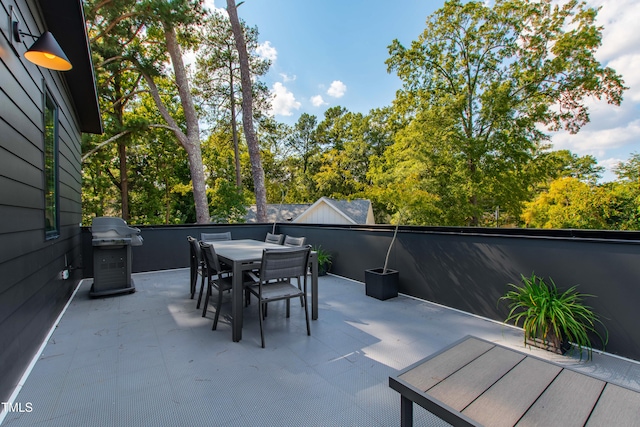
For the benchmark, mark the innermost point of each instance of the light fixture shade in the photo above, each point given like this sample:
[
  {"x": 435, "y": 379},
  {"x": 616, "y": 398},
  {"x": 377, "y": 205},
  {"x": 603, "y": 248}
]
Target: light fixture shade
[{"x": 46, "y": 52}]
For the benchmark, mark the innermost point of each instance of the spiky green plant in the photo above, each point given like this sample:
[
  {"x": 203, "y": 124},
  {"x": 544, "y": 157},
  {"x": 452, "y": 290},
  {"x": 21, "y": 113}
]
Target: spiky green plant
[
  {"x": 551, "y": 315},
  {"x": 324, "y": 260}
]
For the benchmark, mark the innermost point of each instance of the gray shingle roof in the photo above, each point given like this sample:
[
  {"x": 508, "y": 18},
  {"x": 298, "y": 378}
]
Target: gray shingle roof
[
  {"x": 357, "y": 210},
  {"x": 279, "y": 213}
]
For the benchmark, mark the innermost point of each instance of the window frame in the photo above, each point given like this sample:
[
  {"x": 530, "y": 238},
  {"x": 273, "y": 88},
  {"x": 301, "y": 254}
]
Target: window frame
[{"x": 50, "y": 174}]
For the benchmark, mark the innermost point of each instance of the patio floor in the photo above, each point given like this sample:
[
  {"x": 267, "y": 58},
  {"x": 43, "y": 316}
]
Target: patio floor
[{"x": 149, "y": 358}]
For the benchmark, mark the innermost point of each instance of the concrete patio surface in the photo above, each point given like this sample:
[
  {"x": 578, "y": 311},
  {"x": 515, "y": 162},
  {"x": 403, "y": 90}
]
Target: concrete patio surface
[{"x": 150, "y": 359}]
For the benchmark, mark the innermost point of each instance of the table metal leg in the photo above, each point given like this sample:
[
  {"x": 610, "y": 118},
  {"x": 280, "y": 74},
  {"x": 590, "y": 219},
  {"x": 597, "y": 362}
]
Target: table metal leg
[
  {"x": 406, "y": 412},
  {"x": 236, "y": 302},
  {"x": 314, "y": 287}
]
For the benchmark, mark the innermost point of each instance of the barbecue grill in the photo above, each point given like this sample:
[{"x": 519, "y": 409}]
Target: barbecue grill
[{"x": 112, "y": 242}]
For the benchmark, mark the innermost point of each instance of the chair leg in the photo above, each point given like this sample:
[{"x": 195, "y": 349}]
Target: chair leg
[
  {"x": 306, "y": 315},
  {"x": 206, "y": 301},
  {"x": 201, "y": 287},
  {"x": 260, "y": 312},
  {"x": 193, "y": 279},
  {"x": 288, "y": 308},
  {"x": 218, "y": 307},
  {"x": 300, "y": 287}
]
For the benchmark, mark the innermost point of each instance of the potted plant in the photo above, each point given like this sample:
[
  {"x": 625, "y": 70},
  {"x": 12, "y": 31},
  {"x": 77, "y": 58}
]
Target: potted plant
[
  {"x": 552, "y": 319},
  {"x": 324, "y": 260},
  {"x": 382, "y": 283}
]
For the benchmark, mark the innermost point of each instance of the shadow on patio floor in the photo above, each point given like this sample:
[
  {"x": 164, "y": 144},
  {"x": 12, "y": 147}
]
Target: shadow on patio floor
[{"x": 149, "y": 358}]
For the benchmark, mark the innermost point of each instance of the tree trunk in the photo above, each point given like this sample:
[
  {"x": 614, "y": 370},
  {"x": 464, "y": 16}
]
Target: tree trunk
[
  {"x": 124, "y": 181},
  {"x": 234, "y": 131},
  {"x": 247, "y": 114},
  {"x": 122, "y": 151},
  {"x": 190, "y": 141}
]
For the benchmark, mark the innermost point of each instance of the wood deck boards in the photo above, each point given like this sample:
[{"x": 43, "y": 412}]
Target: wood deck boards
[{"x": 476, "y": 382}]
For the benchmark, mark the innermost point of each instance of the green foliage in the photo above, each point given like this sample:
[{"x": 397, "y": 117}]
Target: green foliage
[
  {"x": 477, "y": 84},
  {"x": 629, "y": 171},
  {"x": 217, "y": 78},
  {"x": 324, "y": 259},
  {"x": 563, "y": 163},
  {"x": 549, "y": 314},
  {"x": 571, "y": 203},
  {"x": 463, "y": 137}
]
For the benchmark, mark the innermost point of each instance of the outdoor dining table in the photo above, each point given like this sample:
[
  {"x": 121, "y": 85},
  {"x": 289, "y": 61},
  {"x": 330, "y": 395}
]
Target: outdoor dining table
[{"x": 245, "y": 255}]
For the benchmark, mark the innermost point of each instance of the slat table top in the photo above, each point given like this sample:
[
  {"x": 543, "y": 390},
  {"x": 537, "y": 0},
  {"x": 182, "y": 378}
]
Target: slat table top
[{"x": 476, "y": 382}]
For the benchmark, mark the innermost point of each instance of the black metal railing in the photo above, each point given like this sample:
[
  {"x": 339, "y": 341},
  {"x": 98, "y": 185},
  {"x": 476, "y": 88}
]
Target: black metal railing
[{"x": 464, "y": 268}]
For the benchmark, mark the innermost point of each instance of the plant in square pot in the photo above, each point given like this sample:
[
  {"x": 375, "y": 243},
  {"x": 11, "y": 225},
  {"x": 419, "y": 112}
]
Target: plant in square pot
[
  {"x": 551, "y": 319},
  {"x": 324, "y": 260},
  {"x": 382, "y": 283}
]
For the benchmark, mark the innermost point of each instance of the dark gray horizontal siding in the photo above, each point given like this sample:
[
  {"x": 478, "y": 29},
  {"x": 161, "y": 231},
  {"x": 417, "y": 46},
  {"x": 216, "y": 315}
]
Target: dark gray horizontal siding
[
  {"x": 18, "y": 219},
  {"x": 28, "y": 326},
  {"x": 30, "y": 197},
  {"x": 19, "y": 144},
  {"x": 25, "y": 276},
  {"x": 20, "y": 242},
  {"x": 25, "y": 94},
  {"x": 18, "y": 169},
  {"x": 31, "y": 292}
]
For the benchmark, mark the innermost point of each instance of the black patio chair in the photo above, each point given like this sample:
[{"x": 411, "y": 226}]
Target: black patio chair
[
  {"x": 294, "y": 241},
  {"x": 277, "y": 269},
  {"x": 214, "y": 237},
  {"x": 216, "y": 278},
  {"x": 274, "y": 238},
  {"x": 196, "y": 265}
]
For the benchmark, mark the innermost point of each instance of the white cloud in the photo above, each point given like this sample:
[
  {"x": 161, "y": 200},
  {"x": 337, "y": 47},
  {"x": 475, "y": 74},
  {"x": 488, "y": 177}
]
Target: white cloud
[
  {"x": 209, "y": 4},
  {"x": 618, "y": 18},
  {"x": 613, "y": 132},
  {"x": 318, "y": 101},
  {"x": 337, "y": 89},
  {"x": 287, "y": 78},
  {"x": 266, "y": 51},
  {"x": 283, "y": 101},
  {"x": 591, "y": 140}
]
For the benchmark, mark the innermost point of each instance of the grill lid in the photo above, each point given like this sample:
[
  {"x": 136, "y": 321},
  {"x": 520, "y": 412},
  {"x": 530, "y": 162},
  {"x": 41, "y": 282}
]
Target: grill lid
[{"x": 110, "y": 228}]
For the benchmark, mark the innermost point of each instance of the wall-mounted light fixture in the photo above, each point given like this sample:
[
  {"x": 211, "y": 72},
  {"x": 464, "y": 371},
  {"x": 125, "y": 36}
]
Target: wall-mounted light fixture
[{"x": 45, "y": 52}]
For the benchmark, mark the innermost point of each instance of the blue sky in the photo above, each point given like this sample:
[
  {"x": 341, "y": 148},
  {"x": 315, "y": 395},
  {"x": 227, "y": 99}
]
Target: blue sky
[{"x": 332, "y": 52}]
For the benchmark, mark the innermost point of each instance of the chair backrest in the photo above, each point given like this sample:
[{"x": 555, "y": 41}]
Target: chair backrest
[
  {"x": 195, "y": 248},
  {"x": 294, "y": 241},
  {"x": 210, "y": 258},
  {"x": 274, "y": 238},
  {"x": 284, "y": 263},
  {"x": 214, "y": 237}
]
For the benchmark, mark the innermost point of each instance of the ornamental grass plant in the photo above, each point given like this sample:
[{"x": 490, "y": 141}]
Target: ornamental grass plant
[{"x": 553, "y": 316}]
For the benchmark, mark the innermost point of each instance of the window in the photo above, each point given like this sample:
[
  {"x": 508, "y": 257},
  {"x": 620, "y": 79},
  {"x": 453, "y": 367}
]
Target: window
[{"x": 52, "y": 223}]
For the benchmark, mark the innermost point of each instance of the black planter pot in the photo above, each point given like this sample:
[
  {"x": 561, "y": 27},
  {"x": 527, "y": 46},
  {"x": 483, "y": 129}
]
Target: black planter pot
[
  {"x": 552, "y": 345},
  {"x": 381, "y": 285},
  {"x": 323, "y": 269}
]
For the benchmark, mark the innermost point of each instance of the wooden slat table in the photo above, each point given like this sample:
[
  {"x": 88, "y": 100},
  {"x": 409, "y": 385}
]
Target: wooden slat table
[{"x": 478, "y": 383}]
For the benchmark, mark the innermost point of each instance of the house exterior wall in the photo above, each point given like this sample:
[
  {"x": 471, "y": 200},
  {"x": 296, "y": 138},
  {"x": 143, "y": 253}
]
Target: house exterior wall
[
  {"x": 32, "y": 294},
  {"x": 370, "y": 218}
]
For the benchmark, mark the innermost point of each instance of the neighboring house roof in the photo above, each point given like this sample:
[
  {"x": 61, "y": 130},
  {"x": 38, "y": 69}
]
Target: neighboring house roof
[
  {"x": 278, "y": 213},
  {"x": 324, "y": 211},
  {"x": 65, "y": 20},
  {"x": 332, "y": 211}
]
